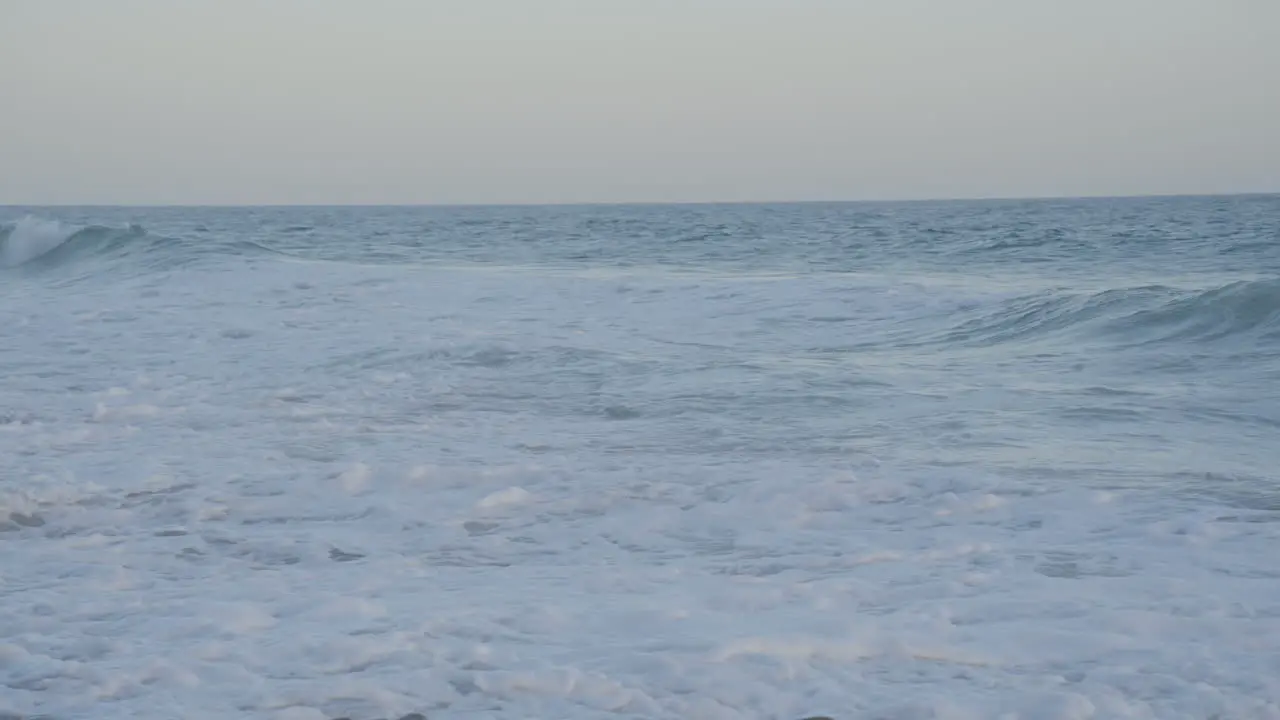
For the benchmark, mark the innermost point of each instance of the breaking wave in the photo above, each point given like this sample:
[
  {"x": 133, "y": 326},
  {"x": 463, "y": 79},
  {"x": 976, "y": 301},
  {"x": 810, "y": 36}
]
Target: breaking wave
[{"x": 35, "y": 244}]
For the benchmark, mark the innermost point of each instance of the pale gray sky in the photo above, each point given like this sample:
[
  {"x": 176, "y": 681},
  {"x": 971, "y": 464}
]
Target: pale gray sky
[{"x": 461, "y": 101}]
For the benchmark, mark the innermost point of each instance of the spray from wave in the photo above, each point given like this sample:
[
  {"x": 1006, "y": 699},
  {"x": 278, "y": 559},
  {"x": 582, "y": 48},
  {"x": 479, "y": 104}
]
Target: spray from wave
[{"x": 30, "y": 238}]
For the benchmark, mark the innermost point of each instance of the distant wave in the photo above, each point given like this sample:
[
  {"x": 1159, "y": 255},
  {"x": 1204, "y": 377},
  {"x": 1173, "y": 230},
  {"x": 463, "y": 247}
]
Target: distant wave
[
  {"x": 1134, "y": 315},
  {"x": 39, "y": 243},
  {"x": 1027, "y": 246}
]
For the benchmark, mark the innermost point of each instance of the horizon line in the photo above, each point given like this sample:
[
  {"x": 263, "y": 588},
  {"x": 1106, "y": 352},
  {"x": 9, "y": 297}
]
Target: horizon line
[{"x": 632, "y": 203}]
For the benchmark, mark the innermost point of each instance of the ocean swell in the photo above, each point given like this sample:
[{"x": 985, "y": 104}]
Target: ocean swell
[
  {"x": 1238, "y": 309},
  {"x": 1132, "y": 315}
]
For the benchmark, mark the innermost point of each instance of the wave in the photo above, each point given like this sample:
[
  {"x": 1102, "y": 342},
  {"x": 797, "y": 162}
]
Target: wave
[
  {"x": 1245, "y": 307},
  {"x": 1127, "y": 316},
  {"x": 29, "y": 238},
  {"x": 36, "y": 244},
  {"x": 1028, "y": 245}
]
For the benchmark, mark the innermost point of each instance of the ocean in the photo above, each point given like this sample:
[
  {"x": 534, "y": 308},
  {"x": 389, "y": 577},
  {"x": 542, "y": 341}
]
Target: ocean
[{"x": 967, "y": 459}]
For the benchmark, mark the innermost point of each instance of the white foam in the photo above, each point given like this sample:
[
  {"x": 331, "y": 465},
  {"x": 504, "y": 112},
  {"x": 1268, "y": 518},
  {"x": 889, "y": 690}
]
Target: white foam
[
  {"x": 356, "y": 479},
  {"x": 211, "y": 527},
  {"x": 505, "y": 498}
]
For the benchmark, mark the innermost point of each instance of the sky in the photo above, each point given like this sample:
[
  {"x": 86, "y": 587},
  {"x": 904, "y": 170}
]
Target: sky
[{"x": 145, "y": 102}]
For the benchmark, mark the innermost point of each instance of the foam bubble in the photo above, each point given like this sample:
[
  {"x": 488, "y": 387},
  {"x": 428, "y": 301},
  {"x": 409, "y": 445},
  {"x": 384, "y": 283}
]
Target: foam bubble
[
  {"x": 356, "y": 479},
  {"x": 506, "y": 498}
]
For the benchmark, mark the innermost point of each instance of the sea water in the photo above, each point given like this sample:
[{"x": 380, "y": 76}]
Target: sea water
[{"x": 999, "y": 459}]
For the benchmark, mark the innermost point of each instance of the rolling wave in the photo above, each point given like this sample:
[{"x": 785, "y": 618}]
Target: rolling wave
[
  {"x": 1241, "y": 308},
  {"x": 42, "y": 244},
  {"x": 1129, "y": 316}
]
